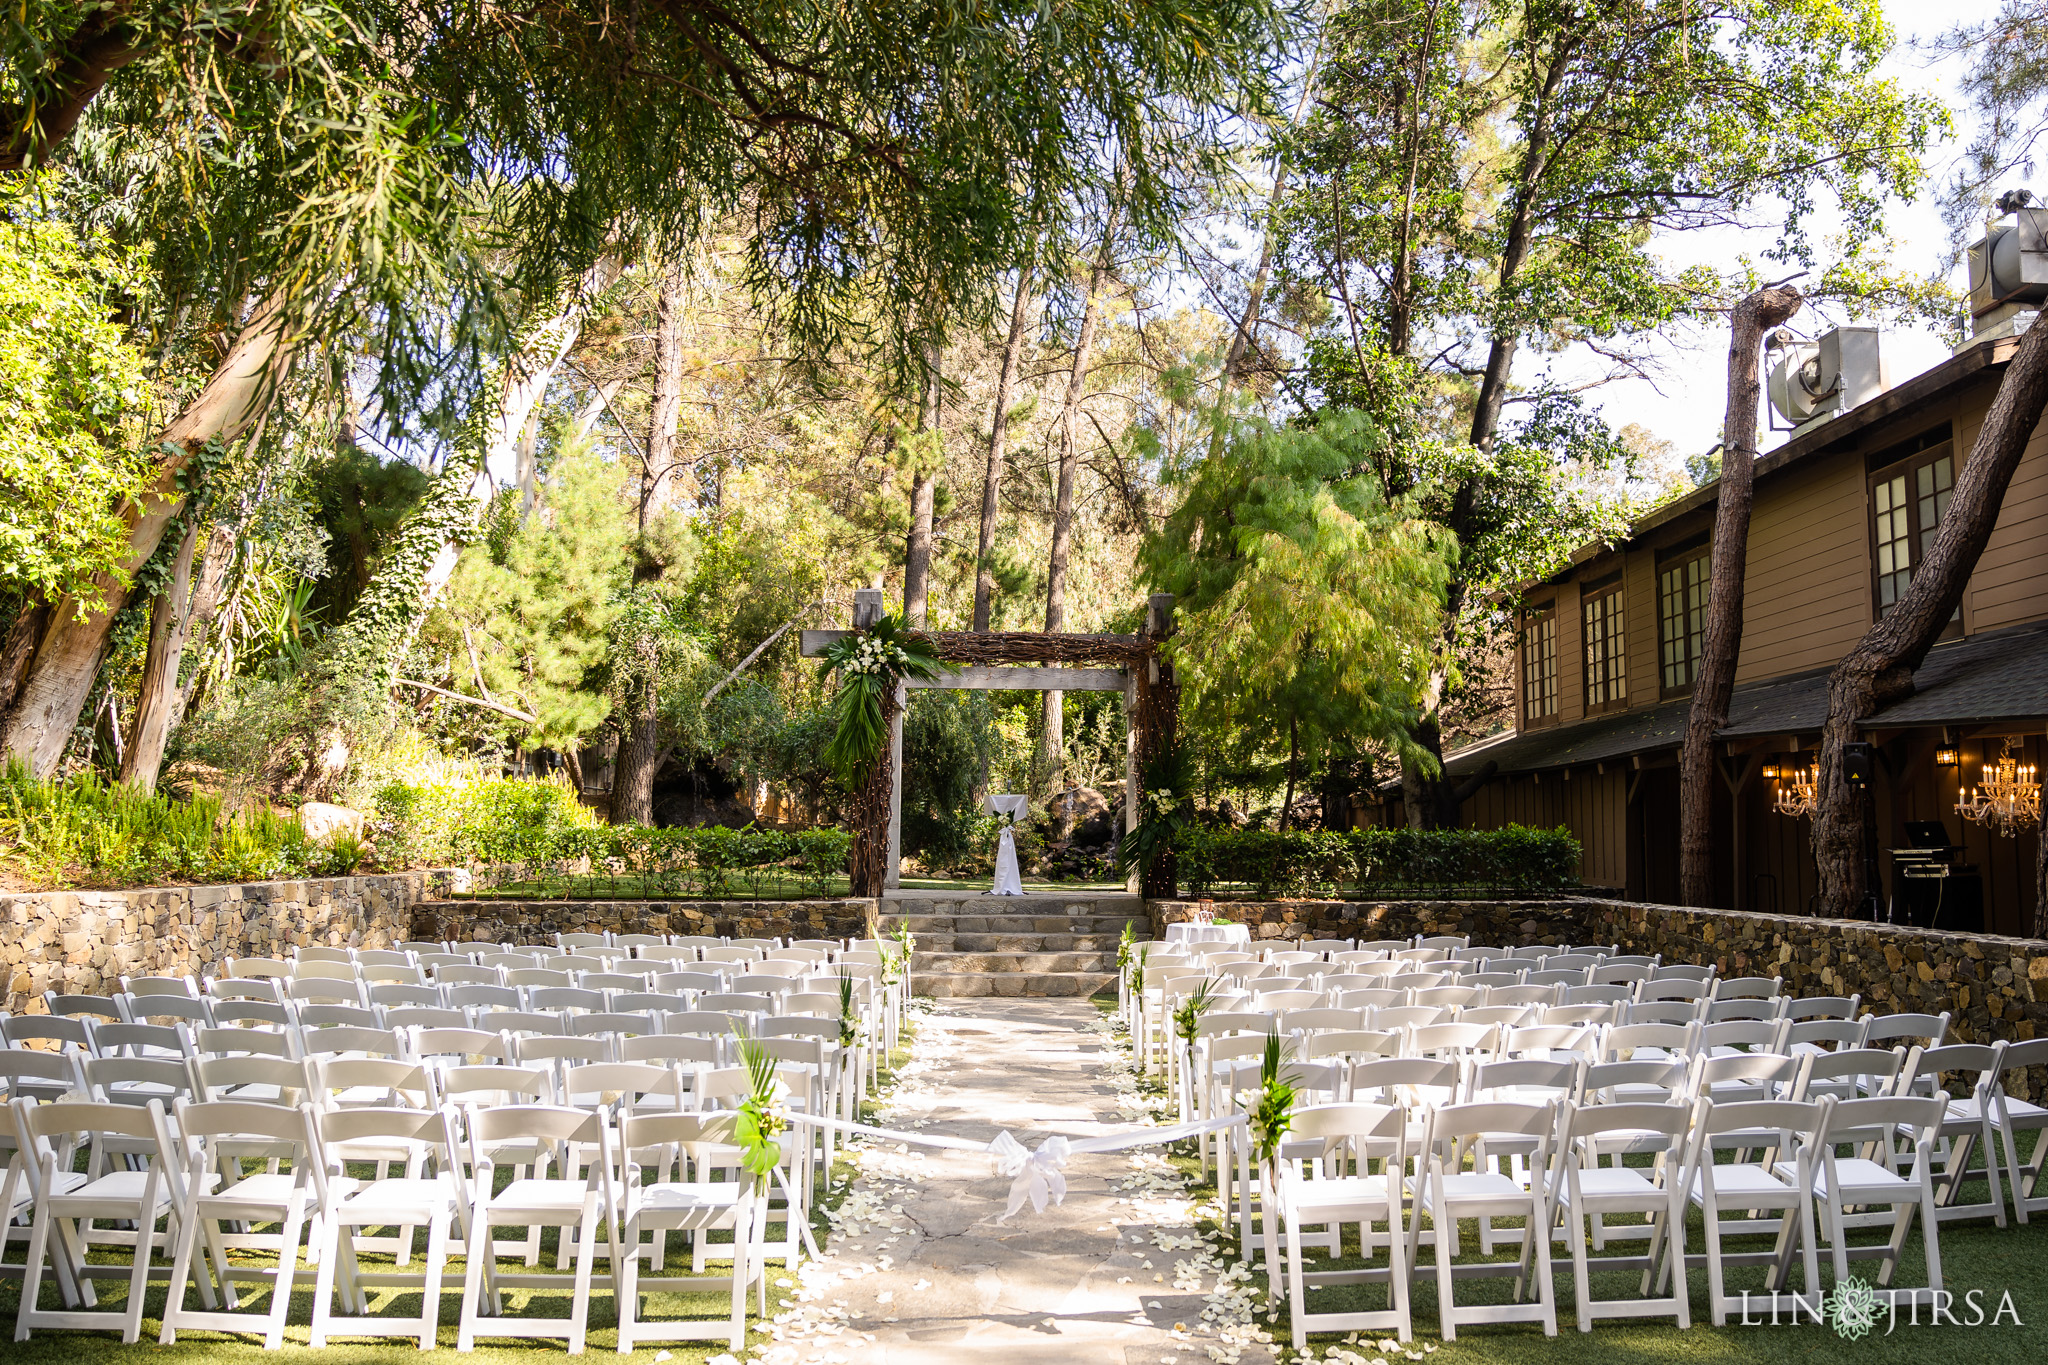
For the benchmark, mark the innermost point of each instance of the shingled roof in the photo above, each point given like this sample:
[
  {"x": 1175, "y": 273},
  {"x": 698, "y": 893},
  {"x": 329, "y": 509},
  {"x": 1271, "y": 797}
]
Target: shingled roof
[{"x": 1986, "y": 679}]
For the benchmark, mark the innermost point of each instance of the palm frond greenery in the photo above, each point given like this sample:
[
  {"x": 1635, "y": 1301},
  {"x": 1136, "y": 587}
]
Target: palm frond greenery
[
  {"x": 760, "y": 1120},
  {"x": 1272, "y": 1114},
  {"x": 870, "y": 663},
  {"x": 1166, "y": 805}
]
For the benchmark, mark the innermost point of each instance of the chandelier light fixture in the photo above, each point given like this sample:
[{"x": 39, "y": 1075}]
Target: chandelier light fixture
[
  {"x": 1795, "y": 792},
  {"x": 2007, "y": 800}
]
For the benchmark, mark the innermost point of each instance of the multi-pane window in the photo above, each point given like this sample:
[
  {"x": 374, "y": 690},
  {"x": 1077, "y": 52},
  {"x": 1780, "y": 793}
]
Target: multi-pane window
[
  {"x": 1539, "y": 664},
  {"x": 1681, "y": 620},
  {"x": 1894, "y": 541},
  {"x": 1606, "y": 650},
  {"x": 1907, "y": 503}
]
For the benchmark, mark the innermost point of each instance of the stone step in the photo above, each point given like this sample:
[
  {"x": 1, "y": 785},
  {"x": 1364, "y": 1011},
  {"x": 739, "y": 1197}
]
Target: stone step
[
  {"x": 1020, "y": 943},
  {"x": 941, "y": 964},
  {"x": 1097, "y": 926},
  {"x": 958, "y": 985}
]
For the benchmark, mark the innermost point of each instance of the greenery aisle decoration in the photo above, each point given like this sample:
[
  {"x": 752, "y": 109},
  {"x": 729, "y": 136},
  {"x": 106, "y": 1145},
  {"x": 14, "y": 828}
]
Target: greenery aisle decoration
[
  {"x": 871, "y": 663},
  {"x": 760, "y": 1120},
  {"x": 1269, "y": 1118},
  {"x": 1187, "y": 1026}
]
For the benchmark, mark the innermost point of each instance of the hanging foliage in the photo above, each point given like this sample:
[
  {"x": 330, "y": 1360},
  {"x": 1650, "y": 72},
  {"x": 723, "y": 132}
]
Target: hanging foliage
[{"x": 870, "y": 664}]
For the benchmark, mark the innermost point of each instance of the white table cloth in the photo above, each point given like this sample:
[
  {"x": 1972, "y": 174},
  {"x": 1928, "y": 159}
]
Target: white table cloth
[
  {"x": 1208, "y": 933},
  {"x": 1008, "y": 881}
]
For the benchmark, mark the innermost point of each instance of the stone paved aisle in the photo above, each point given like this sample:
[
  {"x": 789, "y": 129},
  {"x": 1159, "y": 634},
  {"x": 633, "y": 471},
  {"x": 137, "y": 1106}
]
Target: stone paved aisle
[{"x": 919, "y": 1271}]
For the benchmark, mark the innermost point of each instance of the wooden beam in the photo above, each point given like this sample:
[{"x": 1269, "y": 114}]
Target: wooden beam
[
  {"x": 1748, "y": 744},
  {"x": 811, "y": 644},
  {"x": 1028, "y": 680}
]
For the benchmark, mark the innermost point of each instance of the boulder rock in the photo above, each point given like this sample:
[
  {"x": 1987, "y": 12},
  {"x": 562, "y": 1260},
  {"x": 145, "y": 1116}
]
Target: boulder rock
[
  {"x": 322, "y": 821},
  {"x": 1073, "y": 808}
]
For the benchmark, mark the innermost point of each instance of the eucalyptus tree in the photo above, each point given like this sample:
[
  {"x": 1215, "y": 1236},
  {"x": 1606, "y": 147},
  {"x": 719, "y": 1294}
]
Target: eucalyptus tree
[
  {"x": 1481, "y": 175},
  {"x": 887, "y": 158}
]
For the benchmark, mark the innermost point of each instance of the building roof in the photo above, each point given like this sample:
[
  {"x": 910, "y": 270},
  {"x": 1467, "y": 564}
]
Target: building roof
[
  {"x": 1900, "y": 401},
  {"x": 1986, "y": 679}
]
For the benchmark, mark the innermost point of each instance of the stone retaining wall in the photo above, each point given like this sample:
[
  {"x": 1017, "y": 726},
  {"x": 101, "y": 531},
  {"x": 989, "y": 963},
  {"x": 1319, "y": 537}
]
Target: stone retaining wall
[
  {"x": 524, "y": 921},
  {"x": 1993, "y": 987},
  {"x": 83, "y": 942}
]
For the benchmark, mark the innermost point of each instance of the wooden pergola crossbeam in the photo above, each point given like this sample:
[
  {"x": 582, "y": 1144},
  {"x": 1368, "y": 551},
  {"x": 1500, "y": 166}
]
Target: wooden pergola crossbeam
[{"x": 990, "y": 662}]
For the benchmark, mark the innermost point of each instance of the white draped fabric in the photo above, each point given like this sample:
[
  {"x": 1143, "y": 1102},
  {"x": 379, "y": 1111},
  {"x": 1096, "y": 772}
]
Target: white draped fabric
[{"x": 1009, "y": 882}]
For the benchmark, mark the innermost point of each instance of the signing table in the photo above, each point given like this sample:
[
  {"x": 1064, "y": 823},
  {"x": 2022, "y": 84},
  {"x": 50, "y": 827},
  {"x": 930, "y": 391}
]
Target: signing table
[{"x": 1209, "y": 933}]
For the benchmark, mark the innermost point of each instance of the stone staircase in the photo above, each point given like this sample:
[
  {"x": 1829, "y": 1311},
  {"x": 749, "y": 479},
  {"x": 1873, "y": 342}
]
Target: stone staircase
[{"x": 1043, "y": 945}]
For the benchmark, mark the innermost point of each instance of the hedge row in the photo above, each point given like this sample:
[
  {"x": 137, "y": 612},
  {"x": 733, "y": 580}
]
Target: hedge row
[
  {"x": 1374, "y": 862},
  {"x": 702, "y": 863}
]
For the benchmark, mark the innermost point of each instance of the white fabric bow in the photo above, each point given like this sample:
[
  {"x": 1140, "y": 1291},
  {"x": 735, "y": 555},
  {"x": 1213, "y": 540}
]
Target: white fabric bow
[{"x": 1038, "y": 1176}]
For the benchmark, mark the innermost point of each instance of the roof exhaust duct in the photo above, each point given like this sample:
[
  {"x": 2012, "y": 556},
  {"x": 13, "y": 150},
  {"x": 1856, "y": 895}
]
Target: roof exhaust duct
[
  {"x": 2009, "y": 268},
  {"x": 1813, "y": 381}
]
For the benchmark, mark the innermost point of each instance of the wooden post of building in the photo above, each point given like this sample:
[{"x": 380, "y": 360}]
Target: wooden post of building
[{"x": 867, "y": 607}]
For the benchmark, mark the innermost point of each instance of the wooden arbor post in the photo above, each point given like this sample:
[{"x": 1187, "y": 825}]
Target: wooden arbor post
[{"x": 987, "y": 659}]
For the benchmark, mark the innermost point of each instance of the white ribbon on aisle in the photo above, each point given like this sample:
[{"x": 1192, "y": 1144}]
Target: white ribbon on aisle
[{"x": 1037, "y": 1175}]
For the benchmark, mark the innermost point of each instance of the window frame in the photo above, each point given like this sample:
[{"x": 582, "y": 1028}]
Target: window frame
[
  {"x": 1905, "y": 461},
  {"x": 1608, "y": 596},
  {"x": 1539, "y": 619},
  {"x": 1700, "y": 553}
]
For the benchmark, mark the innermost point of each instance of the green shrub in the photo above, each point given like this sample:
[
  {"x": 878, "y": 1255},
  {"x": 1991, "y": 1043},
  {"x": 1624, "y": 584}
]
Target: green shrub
[{"x": 1516, "y": 860}]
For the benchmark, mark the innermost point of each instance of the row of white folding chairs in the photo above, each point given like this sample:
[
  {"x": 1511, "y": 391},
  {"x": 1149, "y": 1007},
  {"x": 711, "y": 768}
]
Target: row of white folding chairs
[
  {"x": 1807, "y": 1162},
  {"x": 267, "y": 1063},
  {"x": 500, "y": 963},
  {"x": 1572, "y": 970},
  {"x": 581, "y": 1169},
  {"x": 461, "y": 1007}
]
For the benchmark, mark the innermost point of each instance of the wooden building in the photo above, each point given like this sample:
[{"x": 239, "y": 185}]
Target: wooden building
[{"x": 1843, "y": 511}]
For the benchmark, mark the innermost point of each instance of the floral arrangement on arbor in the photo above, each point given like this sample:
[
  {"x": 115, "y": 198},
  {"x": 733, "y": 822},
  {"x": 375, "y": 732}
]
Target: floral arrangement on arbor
[
  {"x": 1166, "y": 806},
  {"x": 871, "y": 663}
]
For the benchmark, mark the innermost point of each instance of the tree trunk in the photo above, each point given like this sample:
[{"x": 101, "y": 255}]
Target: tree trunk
[
  {"x": 665, "y": 404},
  {"x": 1054, "y": 739},
  {"x": 998, "y": 436},
  {"x": 18, "y": 652},
  {"x": 154, "y": 701},
  {"x": 572, "y": 764},
  {"x": 640, "y": 757},
  {"x": 1293, "y": 757},
  {"x": 1879, "y": 670},
  {"x": 213, "y": 575},
  {"x": 44, "y": 711},
  {"x": 924, "y": 489},
  {"x": 1721, "y": 645}
]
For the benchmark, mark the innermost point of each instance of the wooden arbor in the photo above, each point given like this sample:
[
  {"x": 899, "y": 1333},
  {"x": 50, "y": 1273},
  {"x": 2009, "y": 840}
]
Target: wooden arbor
[{"x": 990, "y": 661}]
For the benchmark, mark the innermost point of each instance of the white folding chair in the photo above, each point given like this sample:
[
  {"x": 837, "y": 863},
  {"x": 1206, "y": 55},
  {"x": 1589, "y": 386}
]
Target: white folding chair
[
  {"x": 1447, "y": 1192},
  {"x": 2016, "y": 1116},
  {"x": 1587, "y": 1190},
  {"x": 565, "y": 1200},
  {"x": 214, "y": 1138},
  {"x": 1330, "y": 1184},
  {"x": 1786, "y": 1130},
  {"x": 681, "y": 1150},
  {"x": 1841, "y": 1182},
  {"x": 435, "y": 1199},
  {"x": 50, "y": 1136}
]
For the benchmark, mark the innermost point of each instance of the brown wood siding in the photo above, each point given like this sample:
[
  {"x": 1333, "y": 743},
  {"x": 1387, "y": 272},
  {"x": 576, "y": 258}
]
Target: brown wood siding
[
  {"x": 2010, "y": 584},
  {"x": 1571, "y": 647},
  {"x": 1593, "y": 806},
  {"x": 1806, "y": 596},
  {"x": 1639, "y": 619}
]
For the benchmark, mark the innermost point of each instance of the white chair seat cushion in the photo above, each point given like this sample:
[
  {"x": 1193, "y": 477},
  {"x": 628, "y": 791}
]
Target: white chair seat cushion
[
  {"x": 399, "y": 1195},
  {"x": 1741, "y": 1179},
  {"x": 1321, "y": 1198},
  {"x": 1863, "y": 1182}
]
